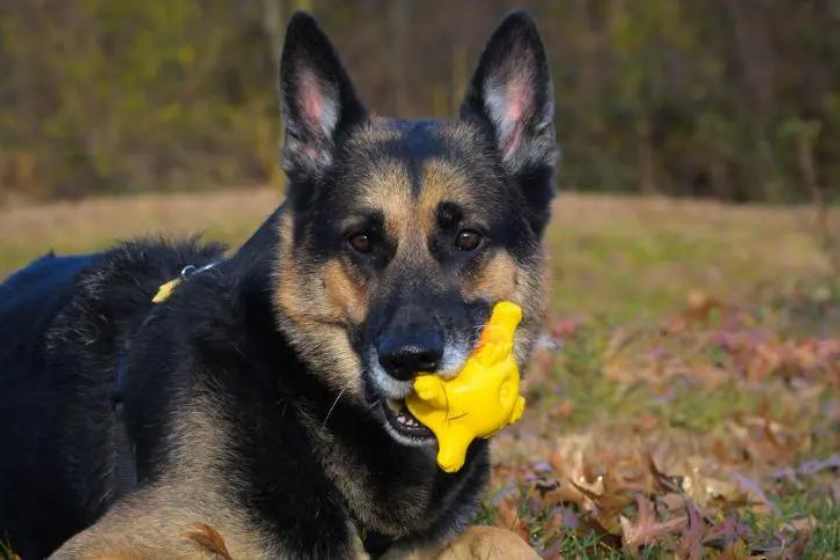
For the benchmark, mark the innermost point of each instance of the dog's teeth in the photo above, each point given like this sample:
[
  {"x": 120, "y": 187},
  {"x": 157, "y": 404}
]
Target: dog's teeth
[{"x": 394, "y": 405}]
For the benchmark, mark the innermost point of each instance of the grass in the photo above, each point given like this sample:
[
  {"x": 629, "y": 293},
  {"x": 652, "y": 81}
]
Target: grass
[
  {"x": 693, "y": 368},
  {"x": 623, "y": 258}
]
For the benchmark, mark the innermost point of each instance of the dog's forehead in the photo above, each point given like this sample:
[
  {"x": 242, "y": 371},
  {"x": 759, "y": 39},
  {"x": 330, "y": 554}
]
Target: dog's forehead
[{"x": 410, "y": 167}]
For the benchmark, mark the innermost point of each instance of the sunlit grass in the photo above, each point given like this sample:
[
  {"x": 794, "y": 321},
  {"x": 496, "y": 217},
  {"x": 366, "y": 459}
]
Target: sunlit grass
[{"x": 637, "y": 370}]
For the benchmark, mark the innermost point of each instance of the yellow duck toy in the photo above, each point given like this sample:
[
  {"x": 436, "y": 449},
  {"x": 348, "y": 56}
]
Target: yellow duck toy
[{"x": 481, "y": 400}]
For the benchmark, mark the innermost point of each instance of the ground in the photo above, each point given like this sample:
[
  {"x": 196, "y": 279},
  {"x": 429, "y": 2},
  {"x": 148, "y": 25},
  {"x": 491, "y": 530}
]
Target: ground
[{"x": 684, "y": 400}]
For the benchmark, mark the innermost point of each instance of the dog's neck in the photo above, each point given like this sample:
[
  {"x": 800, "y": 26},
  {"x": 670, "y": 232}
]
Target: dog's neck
[{"x": 261, "y": 243}]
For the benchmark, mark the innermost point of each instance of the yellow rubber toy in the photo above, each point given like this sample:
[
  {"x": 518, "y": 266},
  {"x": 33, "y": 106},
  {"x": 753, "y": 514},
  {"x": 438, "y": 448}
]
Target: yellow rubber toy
[{"x": 481, "y": 400}]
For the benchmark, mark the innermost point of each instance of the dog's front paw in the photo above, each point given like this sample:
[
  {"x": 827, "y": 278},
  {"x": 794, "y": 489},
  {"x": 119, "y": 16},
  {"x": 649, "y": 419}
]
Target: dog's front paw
[{"x": 490, "y": 543}]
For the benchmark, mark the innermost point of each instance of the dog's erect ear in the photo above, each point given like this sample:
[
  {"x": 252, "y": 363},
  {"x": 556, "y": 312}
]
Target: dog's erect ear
[
  {"x": 318, "y": 100},
  {"x": 511, "y": 94}
]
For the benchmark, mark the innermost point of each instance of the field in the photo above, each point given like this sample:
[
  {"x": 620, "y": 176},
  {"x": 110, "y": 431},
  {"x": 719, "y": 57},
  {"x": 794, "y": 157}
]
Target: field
[{"x": 685, "y": 399}]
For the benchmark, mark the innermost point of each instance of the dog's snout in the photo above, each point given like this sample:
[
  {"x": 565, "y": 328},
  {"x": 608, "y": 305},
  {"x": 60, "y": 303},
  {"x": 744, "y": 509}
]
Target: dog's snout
[{"x": 404, "y": 354}]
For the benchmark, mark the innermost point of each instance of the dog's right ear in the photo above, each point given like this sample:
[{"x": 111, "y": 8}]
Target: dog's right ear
[{"x": 318, "y": 100}]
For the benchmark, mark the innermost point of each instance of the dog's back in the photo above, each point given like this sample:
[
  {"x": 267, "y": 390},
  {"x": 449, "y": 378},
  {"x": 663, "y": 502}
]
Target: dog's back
[
  {"x": 61, "y": 319},
  {"x": 30, "y": 300}
]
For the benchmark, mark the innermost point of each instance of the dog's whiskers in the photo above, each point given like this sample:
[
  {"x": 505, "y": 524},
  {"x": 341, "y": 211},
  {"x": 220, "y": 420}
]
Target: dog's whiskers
[{"x": 335, "y": 402}]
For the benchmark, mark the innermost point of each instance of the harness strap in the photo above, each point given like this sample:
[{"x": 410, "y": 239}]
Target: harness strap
[{"x": 167, "y": 288}]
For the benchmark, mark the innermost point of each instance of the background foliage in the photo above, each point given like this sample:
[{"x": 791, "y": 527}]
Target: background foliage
[
  {"x": 734, "y": 100},
  {"x": 683, "y": 401}
]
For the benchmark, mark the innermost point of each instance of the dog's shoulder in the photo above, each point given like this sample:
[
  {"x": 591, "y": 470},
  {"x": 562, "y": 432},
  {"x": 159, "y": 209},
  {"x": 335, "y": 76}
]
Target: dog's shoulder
[{"x": 112, "y": 291}]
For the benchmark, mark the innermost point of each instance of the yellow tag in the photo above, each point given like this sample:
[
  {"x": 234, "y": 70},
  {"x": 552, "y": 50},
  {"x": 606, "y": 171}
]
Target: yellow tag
[{"x": 165, "y": 291}]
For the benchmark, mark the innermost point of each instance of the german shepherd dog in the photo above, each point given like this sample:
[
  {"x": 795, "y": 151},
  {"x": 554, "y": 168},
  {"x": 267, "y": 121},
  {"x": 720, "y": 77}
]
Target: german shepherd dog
[{"x": 258, "y": 411}]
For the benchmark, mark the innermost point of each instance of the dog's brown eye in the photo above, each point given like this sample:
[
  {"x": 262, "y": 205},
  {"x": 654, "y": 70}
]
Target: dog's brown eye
[
  {"x": 361, "y": 243},
  {"x": 468, "y": 240}
]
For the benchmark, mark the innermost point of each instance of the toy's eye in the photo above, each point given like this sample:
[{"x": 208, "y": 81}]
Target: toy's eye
[
  {"x": 361, "y": 243},
  {"x": 468, "y": 240}
]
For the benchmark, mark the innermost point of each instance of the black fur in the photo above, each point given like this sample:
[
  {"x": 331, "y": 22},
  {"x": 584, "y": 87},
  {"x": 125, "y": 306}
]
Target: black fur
[
  {"x": 78, "y": 334},
  {"x": 214, "y": 335},
  {"x": 63, "y": 320}
]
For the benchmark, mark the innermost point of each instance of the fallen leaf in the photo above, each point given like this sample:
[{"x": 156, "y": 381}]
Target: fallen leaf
[
  {"x": 209, "y": 538},
  {"x": 723, "y": 534},
  {"x": 736, "y": 550},
  {"x": 563, "y": 409},
  {"x": 805, "y": 525},
  {"x": 647, "y": 530},
  {"x": 691, "y": 545},
  {"x": 647, "y": 423}
]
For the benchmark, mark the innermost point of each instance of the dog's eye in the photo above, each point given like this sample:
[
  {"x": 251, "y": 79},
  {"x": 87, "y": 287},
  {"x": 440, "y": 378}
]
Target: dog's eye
[
  {"x": 361, "y": 242},
  {"x": 468, "y": 240}
]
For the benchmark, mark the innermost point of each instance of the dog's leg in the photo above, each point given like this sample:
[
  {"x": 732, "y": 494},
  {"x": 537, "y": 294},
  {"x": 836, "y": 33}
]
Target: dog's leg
[
  {"x": 165, "y": 522},
  {"x": 476, "y": 543},
  {"x": 491, "y": 543},
  {"x": 187, "y": 522}
]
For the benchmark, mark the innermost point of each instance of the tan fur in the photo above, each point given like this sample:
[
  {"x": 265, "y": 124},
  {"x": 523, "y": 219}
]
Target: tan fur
[
  {"x": 442, "y": 181},
  {"x": 377, "y": 130},
  {"x": 347, "y": 297},
  {"x": 504, "y": 280},
  {"x": 497, "y": 280},
  {"x": 151, "y": 522},
  {"x": 388, "y": 189},
  {"x": 314, "y": 309},
  {"x": 476, "y": 543}
]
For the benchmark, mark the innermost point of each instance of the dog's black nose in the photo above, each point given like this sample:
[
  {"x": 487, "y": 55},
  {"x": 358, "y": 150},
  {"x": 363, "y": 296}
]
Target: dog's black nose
[{"x": 405, "y": 354}]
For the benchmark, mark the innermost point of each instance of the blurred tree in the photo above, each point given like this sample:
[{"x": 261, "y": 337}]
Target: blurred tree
[{"x": 693, "y": 98}]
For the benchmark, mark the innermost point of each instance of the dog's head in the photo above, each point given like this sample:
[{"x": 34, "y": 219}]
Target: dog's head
[{"x": 399, "y": 236}]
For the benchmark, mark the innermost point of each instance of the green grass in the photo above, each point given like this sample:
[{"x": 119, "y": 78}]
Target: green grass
[{"x": 691, "y": 332}]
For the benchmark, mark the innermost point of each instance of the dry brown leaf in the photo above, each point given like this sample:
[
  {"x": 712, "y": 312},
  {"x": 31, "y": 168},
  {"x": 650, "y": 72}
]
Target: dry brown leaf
[
  {"x": 736, "y": 550},
  {"x": 806, "y": 525},
  {"x": 691, "y": 545},
  {"x": 557, "y": 462},
  {"x": 562, "y": 410},
  {"x": 664, "y": 483},
  {"x": 647, "y": 423},
  {"x": 700, "y": 305},
  {"x": 647, "y": 530},
  {"x": 564, "y": 494},
  {"x": 209, "y": 538},
  {"x": 509, "y": 519},
  {"x": 722, "y": 535}
]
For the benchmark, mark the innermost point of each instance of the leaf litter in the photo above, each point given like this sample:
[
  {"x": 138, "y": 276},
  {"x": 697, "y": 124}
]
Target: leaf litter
[{"x": 714, "y": 434}]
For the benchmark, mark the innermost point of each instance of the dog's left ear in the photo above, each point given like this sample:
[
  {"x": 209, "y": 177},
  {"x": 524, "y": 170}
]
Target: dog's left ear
[
  {"x": 318, "y": 100},
  {"x": 511, "y": 96}
]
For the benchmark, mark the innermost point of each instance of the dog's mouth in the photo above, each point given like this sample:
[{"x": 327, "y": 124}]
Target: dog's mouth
[{"x": 403, "y": 425}]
